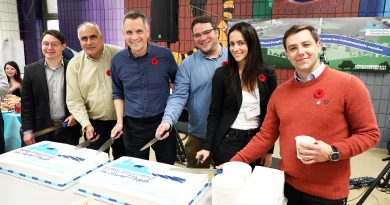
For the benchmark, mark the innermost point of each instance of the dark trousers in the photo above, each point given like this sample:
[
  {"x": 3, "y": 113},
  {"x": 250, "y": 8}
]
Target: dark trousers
[
  {"x": 231, "y": 143},
  {"x": 139, "y": 131},
  {"x": 67, "y": 135},
  {"x": 103, "y": 128},
  {"x": 296, "y": 197},
  {"x": 2, "y": 143}
]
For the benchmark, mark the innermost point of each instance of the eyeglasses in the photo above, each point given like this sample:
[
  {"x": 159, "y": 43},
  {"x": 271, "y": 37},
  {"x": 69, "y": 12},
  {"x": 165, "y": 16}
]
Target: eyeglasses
[
  {"x": 52, "y": 44},
  {"x": 204, "y": 33}
]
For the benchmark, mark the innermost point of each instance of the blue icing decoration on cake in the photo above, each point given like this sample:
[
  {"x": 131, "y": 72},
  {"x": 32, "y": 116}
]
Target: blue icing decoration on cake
[
  {"x": 130, "y": 166},
  {"x": 44, "y": 148}
]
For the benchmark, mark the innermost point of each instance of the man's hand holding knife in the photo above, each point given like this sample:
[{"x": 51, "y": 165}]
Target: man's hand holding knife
[
  {"x": 91, "y": 134},
  {"x": 162, "y": 131}
]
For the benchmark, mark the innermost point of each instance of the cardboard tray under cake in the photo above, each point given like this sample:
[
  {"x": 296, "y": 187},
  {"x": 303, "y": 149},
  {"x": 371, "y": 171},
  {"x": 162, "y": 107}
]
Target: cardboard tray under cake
[{"x": 51, "y": 164}]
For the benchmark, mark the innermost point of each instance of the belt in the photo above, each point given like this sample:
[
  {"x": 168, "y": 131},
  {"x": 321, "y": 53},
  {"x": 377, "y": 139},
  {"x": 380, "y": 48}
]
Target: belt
[
  {"x": 147, "y": 119},
  {"x": 250, "y": 133},
  {"x": 57, "y": 122}
]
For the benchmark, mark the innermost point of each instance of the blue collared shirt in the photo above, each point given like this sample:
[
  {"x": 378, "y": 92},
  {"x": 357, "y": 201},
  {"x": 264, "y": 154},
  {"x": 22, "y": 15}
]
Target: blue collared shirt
[
  {"x": 143, "y": 82},
  {"x": 193, "y": 88},
  {"x": 317, "y": 72}
]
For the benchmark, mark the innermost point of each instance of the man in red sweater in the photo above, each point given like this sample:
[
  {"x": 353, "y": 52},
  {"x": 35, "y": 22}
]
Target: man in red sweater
[{"x": 331, "y": 106}]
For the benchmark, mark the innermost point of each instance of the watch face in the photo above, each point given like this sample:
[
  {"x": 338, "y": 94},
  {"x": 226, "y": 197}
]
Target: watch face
[{"x": 335, "y": 156}]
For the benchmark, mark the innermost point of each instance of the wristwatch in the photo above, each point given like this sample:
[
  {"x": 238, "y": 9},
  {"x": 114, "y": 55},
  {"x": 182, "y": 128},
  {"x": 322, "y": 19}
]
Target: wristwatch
[{"x": 334, "y": 155}]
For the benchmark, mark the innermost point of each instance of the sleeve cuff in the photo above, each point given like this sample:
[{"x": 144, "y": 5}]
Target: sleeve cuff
[{"x": 85, "y": 123}]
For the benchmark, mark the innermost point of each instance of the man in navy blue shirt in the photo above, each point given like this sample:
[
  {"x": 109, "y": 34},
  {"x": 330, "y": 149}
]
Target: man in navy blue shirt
[{"x": 141, "y": 75}]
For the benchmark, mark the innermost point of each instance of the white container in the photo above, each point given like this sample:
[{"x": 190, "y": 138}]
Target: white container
[
  {"x": 302, "y": 138},
  {"x": 237, "y": 168},
  {"x": 225, "y": 188}
]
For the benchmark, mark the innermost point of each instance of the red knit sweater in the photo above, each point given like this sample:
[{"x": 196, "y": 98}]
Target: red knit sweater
[{"x": 342, "y": 117}]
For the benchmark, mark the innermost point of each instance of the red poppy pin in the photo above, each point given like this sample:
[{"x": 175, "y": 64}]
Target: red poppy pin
[
  {"x": 319, "y": 93},
  {"x": 154, "y": 61},
  {"x": 224, "y": 63},
  {"x": 108, "y": 73},
  {"x": 262, "y": 78}
]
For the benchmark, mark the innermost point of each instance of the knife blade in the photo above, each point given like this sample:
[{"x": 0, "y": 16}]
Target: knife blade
[
  {"x": 194, "y": 170},
  {"x": 106, "y": 145},
  {"x": 49, "y": 129},
  {"x": 86, "y": 143},
  {"x": 150, "y": 143},
  {"x": 210, "y": 172},
  {"x": 154, "y": 140}
]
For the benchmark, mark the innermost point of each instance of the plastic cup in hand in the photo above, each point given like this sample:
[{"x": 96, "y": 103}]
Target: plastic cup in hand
[{"x": 305, "y": 139}]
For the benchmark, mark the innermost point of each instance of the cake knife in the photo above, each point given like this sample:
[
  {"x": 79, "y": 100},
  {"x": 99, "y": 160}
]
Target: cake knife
[
  {"x": 210, "y": 172},
  {"x": 49, "y": 129},
  {"x": 150, "y": 143},
  {"x": 106, "y": 145},
  {"x": 154, "y": 140},
  {"x": 86, "y": 143}
]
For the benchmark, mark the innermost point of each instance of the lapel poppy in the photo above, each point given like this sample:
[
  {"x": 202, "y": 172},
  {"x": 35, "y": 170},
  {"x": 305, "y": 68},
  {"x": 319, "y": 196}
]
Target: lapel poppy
[
  {"x": 262, "y": 78},
  {"x": 224, "y": 63},
  {"x": 108, "y": 72},
  {"x": 154, "y": 61},
  {"x": 319, "y": 93}
]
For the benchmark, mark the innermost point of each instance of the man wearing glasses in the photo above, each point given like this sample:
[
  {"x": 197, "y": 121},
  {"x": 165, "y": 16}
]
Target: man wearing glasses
[
  {"x": 89, "y": 88},
  {"x": 43, "y": 95},
  {"x": 193, "y": 86}
]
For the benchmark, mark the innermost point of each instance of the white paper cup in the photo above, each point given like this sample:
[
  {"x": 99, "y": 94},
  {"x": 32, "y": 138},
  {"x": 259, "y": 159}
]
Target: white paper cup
[
  {"x": 237, "y": 168},
  {"x": 305, "y": 139}
]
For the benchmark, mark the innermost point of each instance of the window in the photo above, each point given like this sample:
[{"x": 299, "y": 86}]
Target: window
[{"x": 50, "y": 14}]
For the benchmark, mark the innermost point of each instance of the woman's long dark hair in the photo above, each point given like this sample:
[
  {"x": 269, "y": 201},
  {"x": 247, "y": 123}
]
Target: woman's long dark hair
[
  {"x": 253, "y": 61},
  {"x": 17, "y": 75}
]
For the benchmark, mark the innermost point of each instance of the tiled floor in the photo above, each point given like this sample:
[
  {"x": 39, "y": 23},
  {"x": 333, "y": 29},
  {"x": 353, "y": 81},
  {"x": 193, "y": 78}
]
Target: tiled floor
[{"x": 369, "y": 164}]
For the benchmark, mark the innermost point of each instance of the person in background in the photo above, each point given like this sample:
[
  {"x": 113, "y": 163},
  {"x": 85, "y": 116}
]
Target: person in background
[
  {"x": 329, "y": 105},
  {"x": 193, "y": 86},
  {"x": 3, "y": 91},
  {"x": 68, "y": 53},
  {"x": 13, "y": 75},
  {"x": 43, "y": 97},
  {"x": 89, "y": 88},
  {"x": 141, "y": 75},
  {"x": 240, "y": 93}
]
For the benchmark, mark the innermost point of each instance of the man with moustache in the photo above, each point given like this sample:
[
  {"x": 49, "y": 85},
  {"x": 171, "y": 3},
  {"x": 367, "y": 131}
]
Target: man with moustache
[
  {"x": 43, "y": 98},
  {"x": 89, "y": 87},
  {"x": 193, "y": 86}
]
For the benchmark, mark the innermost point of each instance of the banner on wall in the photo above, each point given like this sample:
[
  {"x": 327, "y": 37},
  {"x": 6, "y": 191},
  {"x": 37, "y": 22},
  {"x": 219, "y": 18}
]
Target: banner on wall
[{"x": 349, "y": 44}]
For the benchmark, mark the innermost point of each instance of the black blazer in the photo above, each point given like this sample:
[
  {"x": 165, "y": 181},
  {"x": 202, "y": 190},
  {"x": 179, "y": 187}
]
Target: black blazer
[
  {"x": 35, "y": 104},
  {"x": 225, "y": 105}
]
